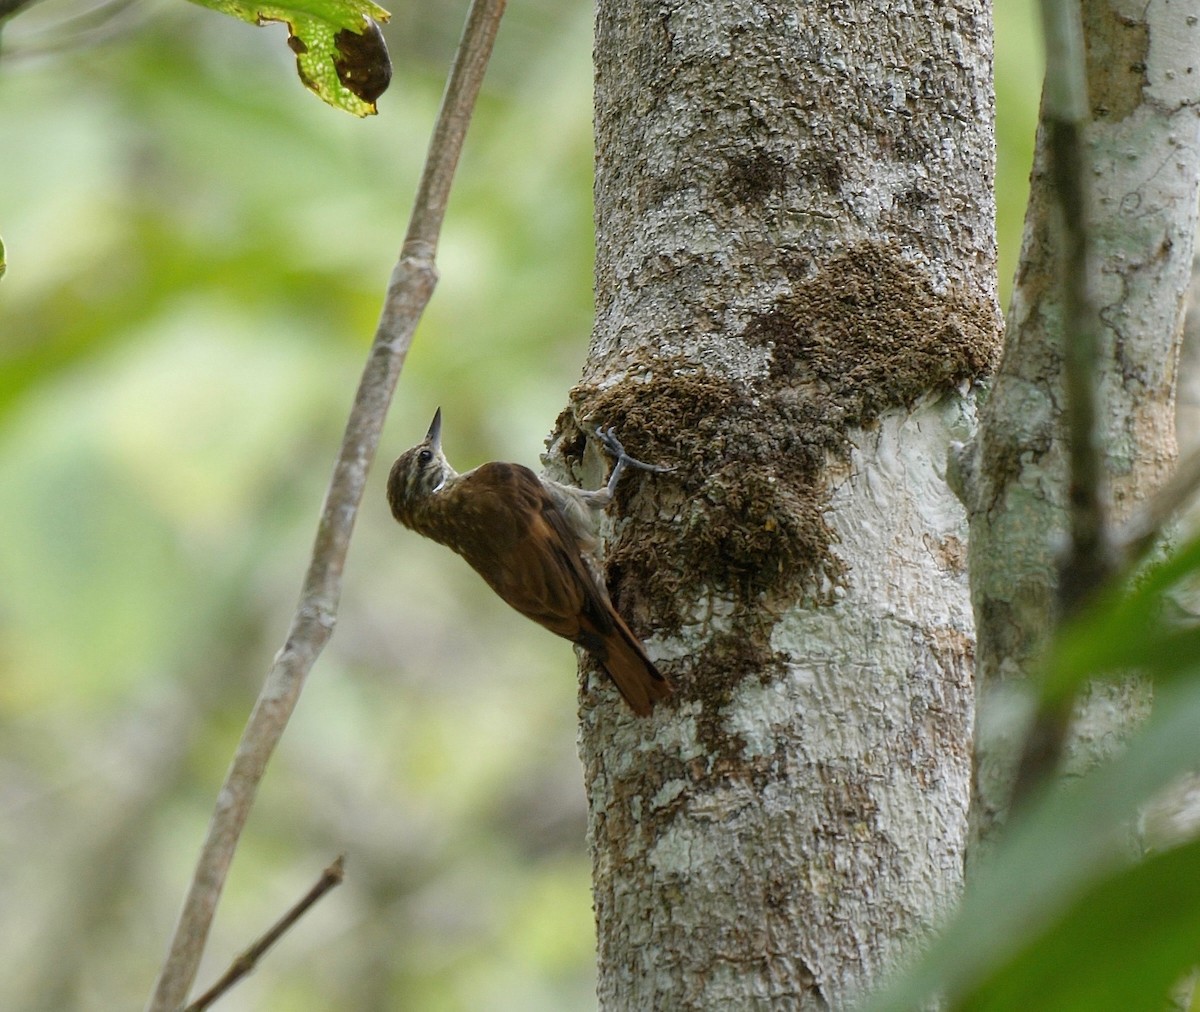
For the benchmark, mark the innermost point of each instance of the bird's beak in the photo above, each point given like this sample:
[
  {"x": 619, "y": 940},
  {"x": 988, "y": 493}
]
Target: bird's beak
[{"x": 434, "y": 435}]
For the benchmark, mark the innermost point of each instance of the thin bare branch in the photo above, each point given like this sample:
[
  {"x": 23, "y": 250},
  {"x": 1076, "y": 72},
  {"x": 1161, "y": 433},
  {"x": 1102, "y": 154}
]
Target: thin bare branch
[
  {"x": 105, "y": 20},
  {"x": 1147, "y": 526},
  {"x": 8, "y": 8},
  {"x": 1089, "y": 562},
  {"x": 244, "y": 965},
  {"x": 409, "y": 290}
]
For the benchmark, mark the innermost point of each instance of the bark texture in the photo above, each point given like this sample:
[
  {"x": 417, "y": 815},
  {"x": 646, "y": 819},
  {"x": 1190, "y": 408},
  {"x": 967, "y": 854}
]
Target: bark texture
[
  {"x": 1144, "y": 149},
  {"x": 795, "y": 293}
]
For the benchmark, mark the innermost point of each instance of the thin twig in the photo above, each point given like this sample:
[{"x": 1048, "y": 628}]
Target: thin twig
[
  {"x": 96, "y": 24},
  {"x": 409, "y": 290},
  {"x": 1089, "y": 562},
  {"x": 8, "y": 8},
  {"x": 244, "y": 965},
  {"x": 1146, "y": 527}
]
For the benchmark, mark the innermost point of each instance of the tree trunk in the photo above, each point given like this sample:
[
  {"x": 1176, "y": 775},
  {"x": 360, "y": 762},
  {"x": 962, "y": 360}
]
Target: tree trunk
[
  {"x": 795, "y": 293},
  {"x": 1143, "y": 147}
]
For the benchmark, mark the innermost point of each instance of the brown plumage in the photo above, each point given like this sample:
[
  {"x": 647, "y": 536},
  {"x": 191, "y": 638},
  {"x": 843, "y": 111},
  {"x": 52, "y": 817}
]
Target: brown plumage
[{"x": 533, "y": 542}]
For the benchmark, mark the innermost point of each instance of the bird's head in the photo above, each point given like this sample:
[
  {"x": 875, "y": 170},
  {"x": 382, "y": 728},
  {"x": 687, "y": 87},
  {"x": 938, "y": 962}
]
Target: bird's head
[{"x": 418, "y": 473}]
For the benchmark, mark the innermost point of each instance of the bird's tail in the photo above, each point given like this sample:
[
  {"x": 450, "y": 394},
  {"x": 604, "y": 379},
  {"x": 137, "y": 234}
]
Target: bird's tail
[{"x": 625, "y": 660}]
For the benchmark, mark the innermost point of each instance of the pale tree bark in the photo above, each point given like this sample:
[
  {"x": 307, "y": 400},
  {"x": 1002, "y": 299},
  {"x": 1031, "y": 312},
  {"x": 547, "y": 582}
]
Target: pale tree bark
[
  {"x": 1142, "y": 145},
  {"x": 1187, "y": 391},
  {"x": 795, "y": 293}
]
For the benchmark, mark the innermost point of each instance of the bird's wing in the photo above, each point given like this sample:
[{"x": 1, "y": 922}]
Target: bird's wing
[
  {"x": 523, "y": 545},
  {"x": 526, "y": 551}
]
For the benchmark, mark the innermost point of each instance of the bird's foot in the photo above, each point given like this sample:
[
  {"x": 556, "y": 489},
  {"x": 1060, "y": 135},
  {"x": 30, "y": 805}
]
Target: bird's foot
[{"x": 608, "y": 439}]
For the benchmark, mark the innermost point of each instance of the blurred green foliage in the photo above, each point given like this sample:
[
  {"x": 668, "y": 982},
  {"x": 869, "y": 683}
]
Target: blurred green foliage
[
  {"x": 197, "y": 254},
  {"x": 1091, "y": 900}
]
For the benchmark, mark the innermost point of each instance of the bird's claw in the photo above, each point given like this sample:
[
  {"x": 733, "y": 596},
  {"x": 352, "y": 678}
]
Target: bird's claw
[{"x": 608, "y": 439}]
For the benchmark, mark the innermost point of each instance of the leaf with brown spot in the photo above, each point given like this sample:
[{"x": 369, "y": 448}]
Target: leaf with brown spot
[
  {"x": 340, "y": 52},
  {"x": 362, "y": 63}
]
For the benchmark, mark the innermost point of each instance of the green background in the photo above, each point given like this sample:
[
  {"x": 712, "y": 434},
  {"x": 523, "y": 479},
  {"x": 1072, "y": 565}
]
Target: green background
[{"x": 196, "y": 250}]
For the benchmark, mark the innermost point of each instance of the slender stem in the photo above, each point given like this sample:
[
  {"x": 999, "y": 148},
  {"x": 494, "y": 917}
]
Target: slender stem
[
  {"x": 409, "y": 290},
  {"x": 1146, "y": 527},
  {"x": 330, "y": 878},
  {"x": 1089, "y": 561},
  {"x": 10, "y": 7}
]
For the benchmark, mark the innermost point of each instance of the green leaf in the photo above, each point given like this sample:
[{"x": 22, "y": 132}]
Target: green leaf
[
  {"x": 1128, "y": 628},
  {"x": 340, "y": 52},
  {"x": 1073, "y": 846},
  {"x": 3, "y": 263},
  {"x": 1120, "y": 946}
]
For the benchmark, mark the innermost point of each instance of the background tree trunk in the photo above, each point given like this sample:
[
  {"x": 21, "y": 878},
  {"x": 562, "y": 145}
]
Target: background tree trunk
[
  {"x": 1143, "y": 148},
  {"x": 795, "y": 292}
]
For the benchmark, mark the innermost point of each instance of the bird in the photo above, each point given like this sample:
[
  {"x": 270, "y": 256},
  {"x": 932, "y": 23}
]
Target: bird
[{"x": 534, "y": 542}]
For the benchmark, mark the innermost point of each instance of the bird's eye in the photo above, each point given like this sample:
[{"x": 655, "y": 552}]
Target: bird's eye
[{"x": 424, "y": 457}]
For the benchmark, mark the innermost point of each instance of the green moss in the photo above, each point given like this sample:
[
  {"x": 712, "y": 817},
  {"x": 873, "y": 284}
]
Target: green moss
[
  {"x": 868, "y": 334},
  {"x": 742, "y": 515}
]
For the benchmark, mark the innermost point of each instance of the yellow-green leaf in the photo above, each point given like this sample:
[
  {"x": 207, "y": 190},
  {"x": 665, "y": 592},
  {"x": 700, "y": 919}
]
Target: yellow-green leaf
[{"x": 340, "y": 52}]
